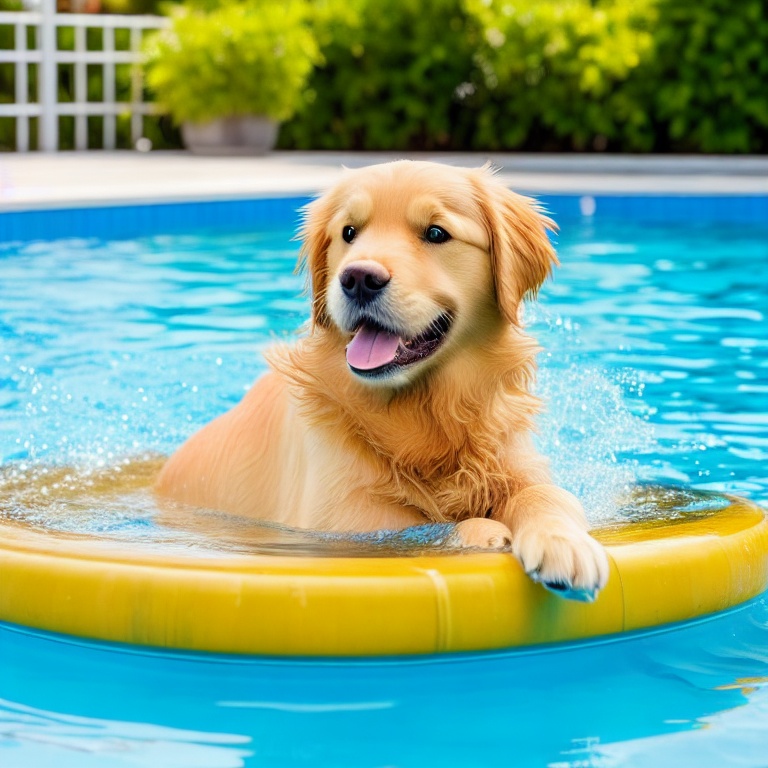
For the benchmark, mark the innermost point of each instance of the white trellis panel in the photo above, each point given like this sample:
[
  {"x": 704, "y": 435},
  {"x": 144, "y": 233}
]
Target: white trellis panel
[{"x": 45, "y": 54}]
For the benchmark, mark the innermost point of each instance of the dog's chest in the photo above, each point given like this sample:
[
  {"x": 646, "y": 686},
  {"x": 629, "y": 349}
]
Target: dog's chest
[{"x": 467, "y": 486}]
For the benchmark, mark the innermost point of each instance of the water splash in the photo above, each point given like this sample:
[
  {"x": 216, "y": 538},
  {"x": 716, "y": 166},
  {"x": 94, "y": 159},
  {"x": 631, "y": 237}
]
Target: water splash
[{"x": 594, "y": 424}]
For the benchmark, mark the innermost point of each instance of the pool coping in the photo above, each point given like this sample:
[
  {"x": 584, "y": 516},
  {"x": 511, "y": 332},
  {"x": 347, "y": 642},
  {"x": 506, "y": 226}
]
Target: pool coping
[
  {"x": 36, "y": 181},
  {"x": 120, "y": 195}
]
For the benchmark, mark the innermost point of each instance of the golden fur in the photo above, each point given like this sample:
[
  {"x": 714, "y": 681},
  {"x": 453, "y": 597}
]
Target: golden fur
[{"x": 447, "y": 438}]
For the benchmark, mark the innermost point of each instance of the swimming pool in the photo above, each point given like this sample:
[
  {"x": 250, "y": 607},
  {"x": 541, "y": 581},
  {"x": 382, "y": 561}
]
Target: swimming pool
[{"x": 120, "y": 344}]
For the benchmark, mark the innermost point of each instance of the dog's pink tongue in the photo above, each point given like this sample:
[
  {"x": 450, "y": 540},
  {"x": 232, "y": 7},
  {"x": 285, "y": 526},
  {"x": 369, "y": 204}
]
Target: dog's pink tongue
[{"x": 371, "y": 348}]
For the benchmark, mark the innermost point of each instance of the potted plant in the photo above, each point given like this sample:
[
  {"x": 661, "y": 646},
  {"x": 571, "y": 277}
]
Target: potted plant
[{"x": 230, "y": 74}]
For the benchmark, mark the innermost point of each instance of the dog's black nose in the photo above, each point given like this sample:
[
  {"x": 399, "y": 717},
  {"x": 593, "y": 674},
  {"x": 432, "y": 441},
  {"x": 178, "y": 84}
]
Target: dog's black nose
[{"x": 364, "y": 281}]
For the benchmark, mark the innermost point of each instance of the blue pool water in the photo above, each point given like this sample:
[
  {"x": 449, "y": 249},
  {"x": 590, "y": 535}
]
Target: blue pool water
[{"x": 655, "y": 370}]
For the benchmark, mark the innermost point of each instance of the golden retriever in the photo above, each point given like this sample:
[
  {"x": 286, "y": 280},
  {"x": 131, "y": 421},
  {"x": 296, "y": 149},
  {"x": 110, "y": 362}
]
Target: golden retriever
[{"x": 408, "y": 400}]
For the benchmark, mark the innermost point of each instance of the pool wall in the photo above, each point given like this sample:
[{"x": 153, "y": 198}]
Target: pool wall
[{"x": 118, "y": 221}]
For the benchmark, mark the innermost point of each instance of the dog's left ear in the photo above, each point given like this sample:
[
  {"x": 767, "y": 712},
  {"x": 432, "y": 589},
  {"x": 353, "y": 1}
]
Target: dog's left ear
[
  {"x": 313, "y": 256},
  {"x": 522, "y": 256}
]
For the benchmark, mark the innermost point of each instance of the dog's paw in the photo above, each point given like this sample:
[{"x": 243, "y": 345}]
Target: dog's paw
[
  {"x": 482, "y": 533},
  {"x": 568, "y": 561}
]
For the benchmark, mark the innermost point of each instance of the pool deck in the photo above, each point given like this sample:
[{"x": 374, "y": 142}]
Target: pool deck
[{"x": 65, "y": 180}]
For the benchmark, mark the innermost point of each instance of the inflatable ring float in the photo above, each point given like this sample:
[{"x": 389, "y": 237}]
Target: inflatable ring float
[{"x": 662, "y": 571}]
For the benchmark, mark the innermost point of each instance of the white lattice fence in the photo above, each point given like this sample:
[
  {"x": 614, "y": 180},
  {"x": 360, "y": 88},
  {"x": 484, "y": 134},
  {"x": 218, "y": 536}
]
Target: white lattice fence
[{"x": 46, "y": 55}]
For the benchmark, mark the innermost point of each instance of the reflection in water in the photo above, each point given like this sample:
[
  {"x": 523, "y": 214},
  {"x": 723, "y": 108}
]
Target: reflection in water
[{"x": 117, "y": 504}]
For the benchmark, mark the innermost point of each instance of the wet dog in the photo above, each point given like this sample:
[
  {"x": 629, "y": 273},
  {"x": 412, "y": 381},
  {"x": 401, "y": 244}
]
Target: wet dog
[{"x": 409, "y": 398}]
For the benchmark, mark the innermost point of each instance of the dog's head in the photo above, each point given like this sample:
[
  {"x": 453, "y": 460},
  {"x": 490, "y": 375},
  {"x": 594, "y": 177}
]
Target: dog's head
[{"x": 409, "y": 260}]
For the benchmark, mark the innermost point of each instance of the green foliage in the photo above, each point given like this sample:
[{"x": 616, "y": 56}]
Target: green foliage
[
  {"x": 710, "y": 75},
  {"x": 553, "y": 73},
  {"x": 246, "y": 58},
  {"x": 475, "y": 74},
  {"x": 394, "y": 75},
  {"x": 623, "y": 75}
]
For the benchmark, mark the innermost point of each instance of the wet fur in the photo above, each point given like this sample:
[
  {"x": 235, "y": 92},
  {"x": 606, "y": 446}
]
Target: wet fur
[
  {"x": 311, "y": 445},
  {"x": 441, "y": 444}
]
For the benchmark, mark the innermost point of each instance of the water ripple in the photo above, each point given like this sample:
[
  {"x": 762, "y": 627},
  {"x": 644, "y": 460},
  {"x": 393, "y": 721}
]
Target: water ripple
[{"x": 656, "y": 364}]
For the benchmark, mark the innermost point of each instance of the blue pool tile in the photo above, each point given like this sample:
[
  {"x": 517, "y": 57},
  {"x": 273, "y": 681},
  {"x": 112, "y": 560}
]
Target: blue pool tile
[
  {"x": 667, "y": 209},
  {"x": 126, "y": 221}
]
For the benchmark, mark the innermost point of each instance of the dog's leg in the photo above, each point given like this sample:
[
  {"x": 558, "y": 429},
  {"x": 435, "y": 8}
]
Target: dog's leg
[
  {"x": 550, "y": 538},
  {"x": 483, "y": 533}
]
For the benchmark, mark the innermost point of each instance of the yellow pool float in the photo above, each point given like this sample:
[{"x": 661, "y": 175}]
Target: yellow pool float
[{"x": 661, "y": 572}]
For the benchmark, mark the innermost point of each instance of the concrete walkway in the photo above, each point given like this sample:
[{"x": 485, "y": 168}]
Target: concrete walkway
[{"x": 37, "y": 180}]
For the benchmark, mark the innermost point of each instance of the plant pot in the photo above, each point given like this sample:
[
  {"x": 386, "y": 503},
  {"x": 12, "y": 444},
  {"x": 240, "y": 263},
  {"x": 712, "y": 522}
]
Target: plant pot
[{"x": 250, "y": 135}]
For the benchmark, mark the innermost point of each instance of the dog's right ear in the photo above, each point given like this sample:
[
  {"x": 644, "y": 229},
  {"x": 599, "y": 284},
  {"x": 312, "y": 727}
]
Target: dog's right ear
[{"x": 313, "y": 256}]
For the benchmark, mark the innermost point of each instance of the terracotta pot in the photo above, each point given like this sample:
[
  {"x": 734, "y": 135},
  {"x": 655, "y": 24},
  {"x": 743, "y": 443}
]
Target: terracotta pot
[{"x": 231, "y": 136}]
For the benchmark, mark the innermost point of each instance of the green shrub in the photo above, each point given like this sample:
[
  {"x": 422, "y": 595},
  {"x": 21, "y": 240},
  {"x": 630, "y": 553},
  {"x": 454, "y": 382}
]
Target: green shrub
[
  {"x": 709, "y": 76},
  {"x": 240, "y": 58},
  {"x": 476, "y": 74},
  {"x": 394, "y": 76},
  {"x": 553, "y": 73}
]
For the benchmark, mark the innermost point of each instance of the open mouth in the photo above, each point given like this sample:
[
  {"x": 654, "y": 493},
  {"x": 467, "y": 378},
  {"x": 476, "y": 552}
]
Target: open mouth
[{"x": 376, "y": 351}]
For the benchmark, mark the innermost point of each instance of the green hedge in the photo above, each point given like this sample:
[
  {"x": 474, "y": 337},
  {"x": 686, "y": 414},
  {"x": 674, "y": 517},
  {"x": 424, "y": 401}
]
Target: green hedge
[
  {"x": 710, "y": 75},
  {"x": 621, "y": 75},
  {"x": 617, "y": 75},
  {"x": 554, "y": 75},
  {"x": 391, "y": 73}
]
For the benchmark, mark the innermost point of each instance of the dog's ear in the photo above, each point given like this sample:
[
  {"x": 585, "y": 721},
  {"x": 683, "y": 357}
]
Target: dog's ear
[
  {"x": 313, "y": 256},
  {"x": 522, "y": 256}
]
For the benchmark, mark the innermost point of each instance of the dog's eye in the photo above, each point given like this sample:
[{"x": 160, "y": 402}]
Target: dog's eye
[
  {"x": 348, "y": 233},
  {"x": 436, "y": 235}
]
